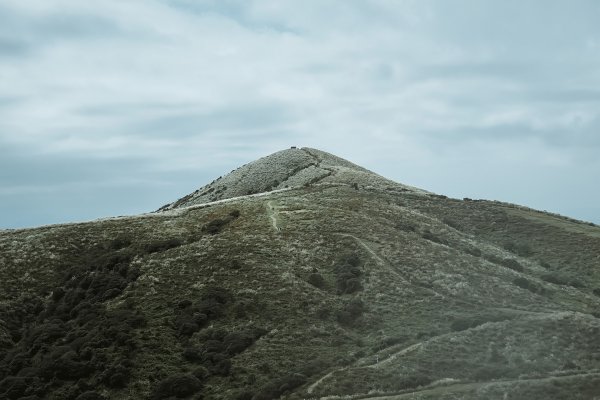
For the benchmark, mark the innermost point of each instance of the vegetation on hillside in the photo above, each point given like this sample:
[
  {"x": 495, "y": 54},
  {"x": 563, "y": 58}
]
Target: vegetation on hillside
[{"x": 337, "y": 289}]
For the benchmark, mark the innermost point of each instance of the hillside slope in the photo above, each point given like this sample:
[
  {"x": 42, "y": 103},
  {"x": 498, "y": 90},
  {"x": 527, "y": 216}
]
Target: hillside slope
[{"x": 334, "y": 283}]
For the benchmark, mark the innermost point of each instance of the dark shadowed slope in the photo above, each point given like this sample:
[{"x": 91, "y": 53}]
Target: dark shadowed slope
[{"x": 336, "y": 284}]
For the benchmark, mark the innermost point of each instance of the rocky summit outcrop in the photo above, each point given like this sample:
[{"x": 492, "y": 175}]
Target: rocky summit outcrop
[{"x": 304, "y": 276}]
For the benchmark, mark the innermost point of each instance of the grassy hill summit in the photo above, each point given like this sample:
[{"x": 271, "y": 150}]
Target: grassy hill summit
[
  {"x": 304, "y": 276},
  {"x": 283, "y": 170}
]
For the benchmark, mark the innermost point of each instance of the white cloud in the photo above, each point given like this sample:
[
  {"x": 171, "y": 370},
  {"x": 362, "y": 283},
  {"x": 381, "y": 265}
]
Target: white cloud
[{"x": 199, "y": 85}]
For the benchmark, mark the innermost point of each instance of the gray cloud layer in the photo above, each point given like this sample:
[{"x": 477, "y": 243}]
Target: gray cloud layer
[{"x": 119, "y": 107}]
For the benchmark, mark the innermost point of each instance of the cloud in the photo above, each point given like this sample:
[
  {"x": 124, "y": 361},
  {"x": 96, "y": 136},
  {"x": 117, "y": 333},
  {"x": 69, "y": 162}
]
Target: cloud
[{"x": 127, "y": 91}]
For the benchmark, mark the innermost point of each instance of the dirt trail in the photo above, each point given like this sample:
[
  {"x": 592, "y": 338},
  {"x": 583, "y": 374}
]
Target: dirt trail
[
  {"x": 273, "y": 215},
  {"x": 313, "y": 386},
  {"x": 463, "y": 387},
  {"x": 393, "y": 356},
  {"x": 389, "y": 267}
]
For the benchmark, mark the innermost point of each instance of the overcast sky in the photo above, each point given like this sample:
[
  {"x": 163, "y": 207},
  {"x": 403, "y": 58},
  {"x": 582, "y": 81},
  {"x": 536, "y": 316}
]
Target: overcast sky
[{"x": 118, "y": 107}]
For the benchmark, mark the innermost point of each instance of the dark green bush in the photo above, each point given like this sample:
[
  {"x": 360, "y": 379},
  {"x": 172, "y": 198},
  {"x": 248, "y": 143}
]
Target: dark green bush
[
  {"x": 57, "y": 294},
  {"x": 90, "y": 395},
  {"x": 220, "y": 367},
  {"x": 460, "y": 324},
  {"x": 413, "y": 381},
  {"x": 323, "y": 312},
  {"x": 14, "y": 387},
  {"x": 563, "y": 279},
  {"x": 316, "y": 280},
  {"x": 163, "y": 245},
  {"x": 73, "y": 336},
  {"x": 506, "y": 262},
  {"x": 201, "y": 373},
  {"x": 434, "y": 238},
  {"x": 388, "y": 341},
  {"x": 451, "y": 222},
  {"x": 347, "y": 273},
  {"x": 474, "y": 251},
  {"x": 184, "y": 304},
  {"x": 350, "y": 312},
  {"x": 489, "y": 372},
  {"x": 519, "y": 248},
  {"x": 522, "y": 282},
  {"x": 313, "y": 367},
  {"x": 244, "y": 395},
  {"x": 406, "y": 226},
  {"x": 193, "y": 354},
  {"x": 236, "y": 342},
  {"x": 512, "y": 264},
  {"x": 529, "y": 285},
  {"x": 187, "y": 328},
  {"x": 215, "y": 226},
  {"x": 277, "y": 387},
  {"x": 178, "y": 386}
]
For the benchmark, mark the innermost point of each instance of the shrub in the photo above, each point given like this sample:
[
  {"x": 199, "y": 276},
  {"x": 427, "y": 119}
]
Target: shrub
[
  {"x": 487, "y": 372},
  {"x": 163, "y": 245},
  {"x": 221, "y": 367},
  {"x": 351, "y": 312},
  {"x": 596, "y": 292},
  {"x": 474, "y": 251},
  {"x": 521, "y": 249},
  {"x": 406, "y": 226},
  {"x": 236, "y": 342},
  {"x": 451, "y": 223},
  {"x": 563, "y": 279},
  {"x": 512, "y": 264},
  {"x": 433, "y": 238},
  {"x": 314, "y": 367},
  {"x": 522, "y": 283},
  {"x": 193, "y": 354},
  {"x": 413, "y": 381},
  {"x": 323, "y": 312},
  {"x": 67, "y": 367},
  {"x": 277, "y": 387},
  {"x": 244, "y": 395},
  {"x": 506, "y": 262},
  {"x": 460, "y": 325},
  {"x": 74, "y": 335},
  {"x": 187, "y": 328},
  {"x": 201, "y": 373},
  {"x": 58, "y": 294},
  {"x": 14, "y": 387},
  {"x": 348, "y": 274},
  {"x": 118, "y": 243},
  {"x": 527, "y": 284},
  {"x": 179, "y": 386},
  {"x": 90, "y": 395},
  {"x": 316, "y": 280},
  {"x": 215, "y": 226}
]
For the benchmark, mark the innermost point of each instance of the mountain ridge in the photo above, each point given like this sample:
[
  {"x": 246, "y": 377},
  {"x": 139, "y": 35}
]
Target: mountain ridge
[{"x": 350, "y": 286}]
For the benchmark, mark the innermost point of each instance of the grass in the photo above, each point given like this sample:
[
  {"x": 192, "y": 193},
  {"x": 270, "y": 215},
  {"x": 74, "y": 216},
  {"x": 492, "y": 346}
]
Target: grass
[{"x": 237, "y": 309}]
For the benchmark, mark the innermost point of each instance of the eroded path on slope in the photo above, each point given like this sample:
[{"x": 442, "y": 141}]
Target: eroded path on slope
[
  {"x": 465, "y": 387},
  {"x": 272, "y": 212},
  {"x": 385, "y": 264}
]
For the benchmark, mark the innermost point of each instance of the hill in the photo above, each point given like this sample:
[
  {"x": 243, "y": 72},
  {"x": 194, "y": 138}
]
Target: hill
[{"x": 302, "y": 275}]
